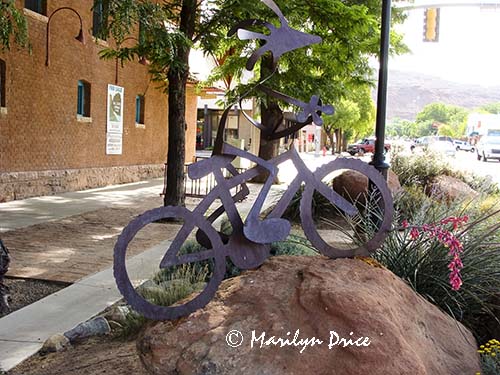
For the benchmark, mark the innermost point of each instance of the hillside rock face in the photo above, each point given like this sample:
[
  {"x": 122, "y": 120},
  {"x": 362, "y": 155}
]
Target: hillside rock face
[
  {"x": 409, "y": 92},
  {"x": 325, "y": 304}
]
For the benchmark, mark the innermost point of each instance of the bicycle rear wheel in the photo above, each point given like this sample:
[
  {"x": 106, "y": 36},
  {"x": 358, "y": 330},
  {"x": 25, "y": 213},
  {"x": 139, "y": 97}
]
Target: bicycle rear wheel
[
  {"x": 384, "y": 200},
  {"x": 191, "y": 220}
]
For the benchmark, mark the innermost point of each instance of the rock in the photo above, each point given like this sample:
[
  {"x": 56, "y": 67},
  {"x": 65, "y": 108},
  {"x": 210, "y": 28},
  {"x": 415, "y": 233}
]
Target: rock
[
  {"x": 54, "y": 343},
  {"x": 353, "y": 185},
  {"x": 94, "y": 327},
  {"x": 449, "y": 188},
  {"x": 310, "y": 297},
  {"x": 117, "y": 314}
]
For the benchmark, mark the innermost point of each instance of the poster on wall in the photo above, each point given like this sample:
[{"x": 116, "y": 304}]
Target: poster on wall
[
  {"x": 114, "y": 142},
  {"x": 115, "y": 109}
]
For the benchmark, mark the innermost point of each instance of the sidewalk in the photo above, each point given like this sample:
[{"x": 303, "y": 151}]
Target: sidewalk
[
  {"x": 23, "y": 213},
  {"x": 64, "y": 239}
]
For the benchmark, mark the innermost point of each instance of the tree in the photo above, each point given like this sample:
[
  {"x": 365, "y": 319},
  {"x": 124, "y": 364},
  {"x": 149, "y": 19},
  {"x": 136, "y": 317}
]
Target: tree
[
  {"x": 167, "y": 31},
  {"x": 491, "y": 108},
  {"x": 445, "y": 119},
  {"x": 12, "y": 25},
  {"x": 353, "y": 115},
  {"x": 401, "y": 128},
  {"x": 350, "y": 35}
]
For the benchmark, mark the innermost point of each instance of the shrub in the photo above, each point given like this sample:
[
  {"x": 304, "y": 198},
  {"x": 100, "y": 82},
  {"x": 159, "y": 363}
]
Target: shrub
[
  {"x": 164, "y": 289},
  {"x": 423, "y": 262},
  {"x": 320, "y": 206},
  {"x": 420, "y": 169},
  {"x": 490, "y": 357}
]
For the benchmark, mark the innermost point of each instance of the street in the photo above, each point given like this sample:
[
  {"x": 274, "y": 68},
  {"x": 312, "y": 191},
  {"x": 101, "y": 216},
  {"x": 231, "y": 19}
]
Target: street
[{"x": 467, "y": 161}]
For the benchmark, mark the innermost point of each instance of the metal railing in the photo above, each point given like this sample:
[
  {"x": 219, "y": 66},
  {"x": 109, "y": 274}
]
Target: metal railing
[{"x": 198, "y": 188}]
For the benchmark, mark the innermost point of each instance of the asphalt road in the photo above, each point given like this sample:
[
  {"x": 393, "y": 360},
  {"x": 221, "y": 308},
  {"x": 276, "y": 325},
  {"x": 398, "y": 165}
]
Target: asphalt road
[{"x": 467, "y": 161}]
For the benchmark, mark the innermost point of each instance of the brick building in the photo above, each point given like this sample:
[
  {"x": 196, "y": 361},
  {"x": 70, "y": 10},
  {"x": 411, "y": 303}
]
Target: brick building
[{"x": 53, "y": 119}]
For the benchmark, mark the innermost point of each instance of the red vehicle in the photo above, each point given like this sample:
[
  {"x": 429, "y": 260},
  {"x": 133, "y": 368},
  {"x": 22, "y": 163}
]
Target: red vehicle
[{"x": 366, "y": 145}]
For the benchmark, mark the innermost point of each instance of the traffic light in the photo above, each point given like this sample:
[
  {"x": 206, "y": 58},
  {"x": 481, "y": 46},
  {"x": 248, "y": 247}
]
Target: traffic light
[{"x": 431, "y": 25}]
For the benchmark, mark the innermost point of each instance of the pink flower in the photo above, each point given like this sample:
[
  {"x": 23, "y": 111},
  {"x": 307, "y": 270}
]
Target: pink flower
[{"x": 448, "y": 240}]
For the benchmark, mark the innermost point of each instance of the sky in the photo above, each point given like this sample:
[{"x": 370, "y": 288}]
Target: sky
[{"x": 468, "y": 50}]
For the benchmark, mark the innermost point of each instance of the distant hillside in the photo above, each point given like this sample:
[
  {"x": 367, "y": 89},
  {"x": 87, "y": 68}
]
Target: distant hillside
[{"x": 408, "y": 93}]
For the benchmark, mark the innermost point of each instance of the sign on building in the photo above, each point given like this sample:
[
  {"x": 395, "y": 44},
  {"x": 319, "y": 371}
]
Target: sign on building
[{"x": 114, "y": 126}]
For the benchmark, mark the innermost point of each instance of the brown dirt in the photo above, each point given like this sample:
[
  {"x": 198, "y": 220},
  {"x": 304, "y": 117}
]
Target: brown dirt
[{"x": 95, "y": 356}]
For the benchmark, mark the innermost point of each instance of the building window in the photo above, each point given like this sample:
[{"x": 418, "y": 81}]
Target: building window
[
  {"x": 83, "y": 101},
  {"x": 98, "y": 19},
  {"x": 39, "y": 6},
  {"x": 139, "y": 109},
  {"x": 2, "y": 83}
]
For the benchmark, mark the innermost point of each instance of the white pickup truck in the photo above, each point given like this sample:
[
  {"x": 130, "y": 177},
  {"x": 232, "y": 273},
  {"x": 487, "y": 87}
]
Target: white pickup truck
[{"x": 463, "y": 145}]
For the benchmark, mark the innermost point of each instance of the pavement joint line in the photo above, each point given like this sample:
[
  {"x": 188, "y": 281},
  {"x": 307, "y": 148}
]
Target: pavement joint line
[{"x": 21, "y": 341}]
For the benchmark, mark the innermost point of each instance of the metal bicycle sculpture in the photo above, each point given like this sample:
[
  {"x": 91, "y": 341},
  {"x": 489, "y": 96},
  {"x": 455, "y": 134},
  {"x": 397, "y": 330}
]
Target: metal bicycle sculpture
[{"x": 248, "y": 245}]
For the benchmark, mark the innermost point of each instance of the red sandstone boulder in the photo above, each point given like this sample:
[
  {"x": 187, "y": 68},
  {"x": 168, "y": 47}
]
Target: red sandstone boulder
[
  {"x": 387, "y": 327},
  {"x": 449, "y": 188},
  {"x": 354, "y": 185}
]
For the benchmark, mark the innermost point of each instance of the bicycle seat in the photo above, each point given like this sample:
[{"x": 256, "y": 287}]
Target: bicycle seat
[
  {"x": 267, "y": 230},
  {"x": 205, "y": 167}
]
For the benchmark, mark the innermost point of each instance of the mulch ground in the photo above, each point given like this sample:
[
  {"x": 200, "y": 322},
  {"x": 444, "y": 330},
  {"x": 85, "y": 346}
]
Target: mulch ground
[
  {"x": 74, "y": 247},
  {"x": 101, "y": 355}
]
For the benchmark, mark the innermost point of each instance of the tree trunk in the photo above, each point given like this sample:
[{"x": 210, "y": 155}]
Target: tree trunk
[
  {"x": 271, "y": 116},
  {"x": 339, "y": 141},
  {"x": 177, "y": 80},
  {"x": 332, "y": 142},
  {"x": 344, "y": 141}
]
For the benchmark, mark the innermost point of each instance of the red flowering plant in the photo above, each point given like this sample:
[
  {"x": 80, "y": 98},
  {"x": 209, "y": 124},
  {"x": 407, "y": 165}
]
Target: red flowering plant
[{"x": 446, "y": 237}]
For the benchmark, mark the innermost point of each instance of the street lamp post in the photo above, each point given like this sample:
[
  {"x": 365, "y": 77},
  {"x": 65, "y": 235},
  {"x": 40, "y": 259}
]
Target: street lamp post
[
  {"x": 80, "y": 37},
  {"x": 378, "y": 160}
]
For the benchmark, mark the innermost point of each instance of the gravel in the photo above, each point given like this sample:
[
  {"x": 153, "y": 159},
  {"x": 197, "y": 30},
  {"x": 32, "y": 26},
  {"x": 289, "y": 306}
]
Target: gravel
[{"x": 24, "y": 292}]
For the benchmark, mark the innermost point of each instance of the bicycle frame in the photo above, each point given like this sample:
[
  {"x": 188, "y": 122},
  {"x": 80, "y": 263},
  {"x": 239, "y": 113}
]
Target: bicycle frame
[{"x": 222, "y": 191}]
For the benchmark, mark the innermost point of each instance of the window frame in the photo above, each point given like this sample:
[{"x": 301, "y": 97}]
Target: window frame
[
  {"x": 83, "y": 98},
  {"x": 98, "y": 20},
  {"x": 37, "y": 6},
  {"x": 140, "y": 105}
]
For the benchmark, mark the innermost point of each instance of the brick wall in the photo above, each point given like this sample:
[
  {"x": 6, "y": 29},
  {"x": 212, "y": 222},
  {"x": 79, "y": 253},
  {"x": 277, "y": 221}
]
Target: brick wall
[{"x": 39, "y": 129}]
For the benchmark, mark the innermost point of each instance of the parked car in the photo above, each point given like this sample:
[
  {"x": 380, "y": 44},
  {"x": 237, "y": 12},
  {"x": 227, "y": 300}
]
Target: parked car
[
  {"x": 442, "y": 147},
  {"x": 364, "y": 146},
  {"x": 463, "y": 145},
  {"x": 437, "y": 143},
  {"x": 488, "y": 148}
]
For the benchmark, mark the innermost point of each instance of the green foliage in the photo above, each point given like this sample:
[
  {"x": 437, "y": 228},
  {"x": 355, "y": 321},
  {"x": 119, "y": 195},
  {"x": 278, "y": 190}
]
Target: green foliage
[
  {"x": 12, "y": 25},
  {"x": 491, "y": 108},
  {"x": 402, "y": 128},
  {"x": 320, "y": 207},
  {"x": 452, "y": 120},
  {"x": 293, "y": 245},
  {"x": 167, "y": 288},
  {"x": 420, "y": 169},
  {"x": 159, "y": 44},
  {"x": 333, "y": 68},
  {"x": 423, "y": 263},
  {"x": 355, "y": 113}
]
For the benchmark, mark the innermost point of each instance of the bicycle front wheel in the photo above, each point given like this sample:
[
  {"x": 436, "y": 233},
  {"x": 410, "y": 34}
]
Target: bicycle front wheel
[
  {"x": 343, "y": 239},
  {"x": 178, "y": 264}
]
